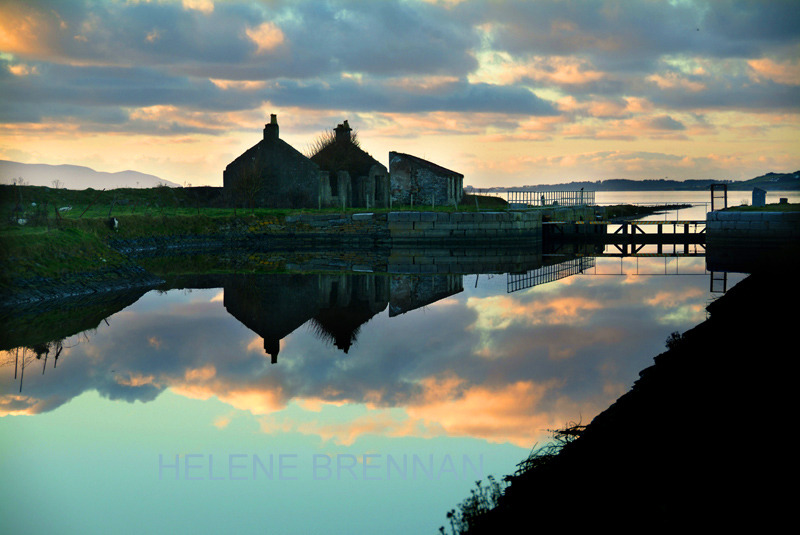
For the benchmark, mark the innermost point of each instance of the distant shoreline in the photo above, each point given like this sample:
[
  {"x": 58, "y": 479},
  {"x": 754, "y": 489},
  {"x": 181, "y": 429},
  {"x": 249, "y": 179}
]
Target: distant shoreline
[{"x": 768, "y": 182}]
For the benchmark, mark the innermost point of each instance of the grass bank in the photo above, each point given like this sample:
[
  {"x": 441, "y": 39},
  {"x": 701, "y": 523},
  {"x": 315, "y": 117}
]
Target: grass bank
[
  {"x": 776, "y": 207},
  {"x": 47, "y": 234}
]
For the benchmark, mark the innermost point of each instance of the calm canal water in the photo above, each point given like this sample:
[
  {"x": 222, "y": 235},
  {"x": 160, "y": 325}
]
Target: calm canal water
[{"x": 326, "y": 403}]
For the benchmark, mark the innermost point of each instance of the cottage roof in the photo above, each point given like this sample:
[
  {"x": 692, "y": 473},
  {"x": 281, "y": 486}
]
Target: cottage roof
[
  {"x": 270, "y": 144},
  {"x": 343, "y": 154},
  {"x": 425, "y": 163}
]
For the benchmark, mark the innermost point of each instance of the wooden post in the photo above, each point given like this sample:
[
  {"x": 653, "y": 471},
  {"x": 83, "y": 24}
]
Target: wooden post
[{"x": 91, "y": 203}]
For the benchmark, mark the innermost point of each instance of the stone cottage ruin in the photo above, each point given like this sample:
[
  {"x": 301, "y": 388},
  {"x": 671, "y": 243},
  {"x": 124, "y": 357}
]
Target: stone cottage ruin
[
  {"x": 354, "y": 178},
  {"x": 273, "y": 174},
  {"x": 418, "y": 181}
]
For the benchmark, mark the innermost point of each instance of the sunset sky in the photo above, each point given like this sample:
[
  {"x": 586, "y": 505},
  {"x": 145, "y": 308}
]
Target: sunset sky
[{"x": 506, "y": 92}]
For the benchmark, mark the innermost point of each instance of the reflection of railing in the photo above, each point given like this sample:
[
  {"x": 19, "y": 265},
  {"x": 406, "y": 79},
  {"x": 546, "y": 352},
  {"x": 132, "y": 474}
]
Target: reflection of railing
[
  {"x": 543, "y": 275},
  {"x": 527, "y": 198}
]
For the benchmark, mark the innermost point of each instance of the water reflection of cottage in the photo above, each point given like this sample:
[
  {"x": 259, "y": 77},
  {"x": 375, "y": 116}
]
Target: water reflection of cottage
[
  {"x": 275, "y": 306},
  {"x": 335, "y": 305}
]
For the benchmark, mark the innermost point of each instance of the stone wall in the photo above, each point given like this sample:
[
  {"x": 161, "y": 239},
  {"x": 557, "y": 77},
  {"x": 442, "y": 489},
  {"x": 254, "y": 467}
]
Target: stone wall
[
  {"x": 758, "y": 229},
  {"x": 414, "y": 230},
  {"x": 750, "y": 242},
  {"x": 465, "y": 227},
  {"x": 418, "y": 181}
]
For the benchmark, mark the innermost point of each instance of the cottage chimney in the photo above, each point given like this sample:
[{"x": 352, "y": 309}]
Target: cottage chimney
[
  {"x": 343, "y": 132},
  {"x": 271, "y": 129}
]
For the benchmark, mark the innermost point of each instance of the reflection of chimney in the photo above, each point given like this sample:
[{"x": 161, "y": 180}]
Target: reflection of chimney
[
  {"x": 343, "y": 132},
  {"x": 271, "y": 129},
  {"x": 272, "y": 347}
]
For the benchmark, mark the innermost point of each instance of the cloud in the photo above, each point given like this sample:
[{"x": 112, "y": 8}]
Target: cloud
[
  {"x": 267, "y": 36},
  {"x": 591, "y": 73}
]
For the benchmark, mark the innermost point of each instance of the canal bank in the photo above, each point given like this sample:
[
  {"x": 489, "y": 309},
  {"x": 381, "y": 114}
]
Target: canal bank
[
  {"x": 683, "y": 445},
  {"x": 100, "y": 255}
]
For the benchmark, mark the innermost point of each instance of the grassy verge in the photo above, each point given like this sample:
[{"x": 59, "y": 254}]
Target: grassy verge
[
  {"x": 39, "y": 252},
  {"x": 51, "y": 233},
  {"x": 777, "y": 207},
  {"x": 42, "y": 205}
]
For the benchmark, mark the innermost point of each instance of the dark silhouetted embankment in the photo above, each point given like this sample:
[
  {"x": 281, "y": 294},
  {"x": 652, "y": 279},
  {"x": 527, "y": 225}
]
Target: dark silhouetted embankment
[{"x": 700, "y": 440}]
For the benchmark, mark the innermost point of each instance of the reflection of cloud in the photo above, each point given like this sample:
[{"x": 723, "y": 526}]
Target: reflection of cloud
[
  {"x": 558, "y": 354},
  {"x": 380, "y": 422},
  {"x": 510, "y": 413},
  {"x": 200, "y": 374},
  {"x": 16, "y": 405},
  {"x": 499, "y": 312},
  {"x": 445, "y": 406},
  {"x": 134, "y": 380},
  {"x": 222, "y": 422},
  {"x": 679, "y": 307}
]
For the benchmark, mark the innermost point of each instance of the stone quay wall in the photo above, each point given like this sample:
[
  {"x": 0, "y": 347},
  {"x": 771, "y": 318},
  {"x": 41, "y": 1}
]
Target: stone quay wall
[
  {"x": 753, "y": 229},
  {"x": 422, "y": 228},
  {"x": 464, "y": 227},
  {"x": 368, "y": 229}
]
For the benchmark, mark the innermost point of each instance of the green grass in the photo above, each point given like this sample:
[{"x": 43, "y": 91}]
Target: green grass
[
  {"x": 794, "y": 207},
  {"x": 42, "y": 204},
  {"x": 54, "y": 243},
  {"x": 38, "y": 252}
]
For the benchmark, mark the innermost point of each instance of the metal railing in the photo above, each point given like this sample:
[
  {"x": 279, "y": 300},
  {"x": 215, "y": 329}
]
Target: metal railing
[{"x": 529, "y": 199}]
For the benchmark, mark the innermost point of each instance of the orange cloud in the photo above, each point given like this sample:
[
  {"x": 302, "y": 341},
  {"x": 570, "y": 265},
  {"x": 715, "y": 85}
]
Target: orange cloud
[
  {"x": 501, "y": 68},
  {"x": 674, "y": 80},
  {"x": 205, "y": 6},
  {"x": 22, "y": 29},
  {"x": 267, "y": 36},
  {"x": 242, "y": 85},
  {"x": 785, "y": 72},
  {"x": 22, "y": 70}
]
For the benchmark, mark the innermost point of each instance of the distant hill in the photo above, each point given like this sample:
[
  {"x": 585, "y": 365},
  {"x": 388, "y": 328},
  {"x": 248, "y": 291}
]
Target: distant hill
[
  {"x": 76, "y": 176},
  {"x": 775, "y": 181},
  {"x": 770, "y": 181}
]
